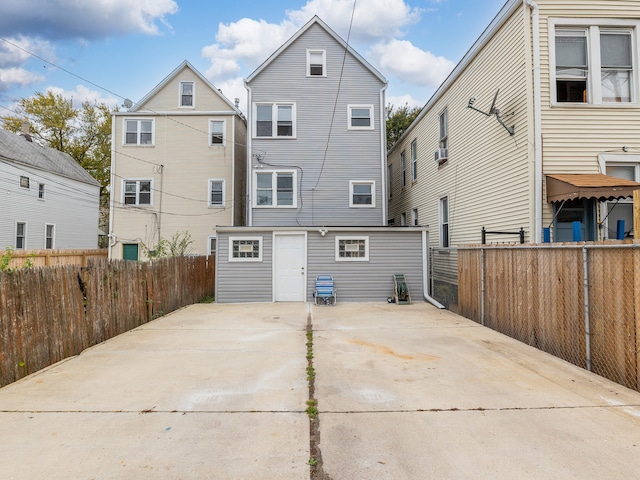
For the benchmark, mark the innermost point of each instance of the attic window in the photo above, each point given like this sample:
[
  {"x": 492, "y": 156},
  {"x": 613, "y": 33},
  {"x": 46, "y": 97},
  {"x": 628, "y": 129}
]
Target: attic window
[
  {"x": 316, "y": 63},
  {"x": 186, "y": 94},
  {"x": 24, "y": 182}
]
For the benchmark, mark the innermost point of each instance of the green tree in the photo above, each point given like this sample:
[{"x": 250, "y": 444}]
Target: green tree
[
  {"x": 398, "y": 120},
  {"x": 84, "y": 133}
]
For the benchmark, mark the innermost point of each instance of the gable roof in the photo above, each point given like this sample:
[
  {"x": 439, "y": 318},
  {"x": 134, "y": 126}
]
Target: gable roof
[
  {"x": 316, "y": 21},
  {"x": 169, "y": 78},
  {"x": 17, "y": 149}
]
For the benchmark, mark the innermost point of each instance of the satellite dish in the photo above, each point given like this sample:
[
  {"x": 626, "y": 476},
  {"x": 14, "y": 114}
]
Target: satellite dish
[
  {"x": 492, "y": 109},
  {"x": 127, "y": 103}
]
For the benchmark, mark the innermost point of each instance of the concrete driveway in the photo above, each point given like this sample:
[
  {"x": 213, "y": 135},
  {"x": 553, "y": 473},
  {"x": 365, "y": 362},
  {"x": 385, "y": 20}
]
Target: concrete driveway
[{"x": 404, "y": 392}]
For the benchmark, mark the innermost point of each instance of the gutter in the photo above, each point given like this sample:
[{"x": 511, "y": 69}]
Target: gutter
[
  {"x": 537, "y": 120},
  {"x": 425, "y": 272},
  {"x": 249, "y": 209},
  {"x": 383, "y": 154},
  {"x": 112, "y": 235}
]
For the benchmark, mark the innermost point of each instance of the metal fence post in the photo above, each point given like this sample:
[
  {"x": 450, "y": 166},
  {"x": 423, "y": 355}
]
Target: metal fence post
[
  {"x": 482, "y": 286},
  {"x": 585, "y": 282}
]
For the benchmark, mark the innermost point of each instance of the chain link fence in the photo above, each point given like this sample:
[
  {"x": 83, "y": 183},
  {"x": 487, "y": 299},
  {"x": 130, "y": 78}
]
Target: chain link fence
[{"x": 579, "y": 302}]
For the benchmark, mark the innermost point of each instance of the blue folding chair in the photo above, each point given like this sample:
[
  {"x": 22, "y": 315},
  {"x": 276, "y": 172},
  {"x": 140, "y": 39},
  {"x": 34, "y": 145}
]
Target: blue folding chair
[{"x": 325, "y": 291}]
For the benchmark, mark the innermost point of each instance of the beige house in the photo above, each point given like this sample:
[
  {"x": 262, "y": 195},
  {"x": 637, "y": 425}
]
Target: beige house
[
  {"x": 537, "y": 128},
  {"x": 178, "y": 165}
]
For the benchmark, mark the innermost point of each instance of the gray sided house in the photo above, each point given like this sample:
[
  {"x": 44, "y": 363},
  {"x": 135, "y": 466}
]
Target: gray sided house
[
  {"x": 48, "y": 199},
  {"x": 316, "y": 135},
  {"x": 266, "y": 264}
]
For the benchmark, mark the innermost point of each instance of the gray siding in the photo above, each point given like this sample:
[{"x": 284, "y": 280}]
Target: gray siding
[
  {"x": 390, "y": 252},
  {"x": 244, "y": 282},
  {"x": 70, "y": 205},
  {"x": 326, "y": 154}
]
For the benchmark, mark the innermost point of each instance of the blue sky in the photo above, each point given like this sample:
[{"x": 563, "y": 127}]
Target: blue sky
[{"x": 122, "y": 48}]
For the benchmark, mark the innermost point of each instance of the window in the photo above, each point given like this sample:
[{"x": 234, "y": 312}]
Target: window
[
  {"x": 245, "y": 249},
  {"x": 186, "y": 94},
  {"x": 275, "y": 120},
  {"x": 352, "y": 249},
  {"x": 138, "y": 132},
  {"x": 24, "y": 182},
  {"x": 316, "y": 63},
  {"x": 593, "y": 64},
  {"x": 21, "y": 235},
  {"x": 444, "y": 222},
  {"x": 137, "y": 192},
  {"x": 41, "y": 191},
  {"x": 360, "y": 117},
  {"x": 49, "y": 236},
  {"x": 362, "y": 193},
  {"x": 275, "y": 189},
  {"x": 415, "y": 217},
  {"x": 403, "y": 219},
  {"x": 414, "y": 161},
  {"x": 216, "y": 132},
  {"x": 620, "y": 209},
  {"x": 211, "y": 247},
  {"x": 389, "y": 181},
  {"x": 216, "y": 193},
  {"x": 444, "y": 129},
  {"x": 403, "y": 169}
]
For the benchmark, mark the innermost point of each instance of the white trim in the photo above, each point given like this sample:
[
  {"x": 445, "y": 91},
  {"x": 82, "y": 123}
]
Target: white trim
[
  {"x": 53, "y": 237},
  {"x": 42, "y": 189},
  {"x": 441, "y": 222},
  {"x": 24, "y": 235},
  {"x": 323, "y": 52},
  {"x": 138, "y": 132},
  {"x": 274, "y": 120},
  {"x": 372, "y": 183},
  {"x": 224, "y": 190},
  {"x": 249, "y": 238},
  {"x": 209, "y": 238},
  {"x": 413, "y": 149},
  {"x": 137, "y": 204},
  {"x": 193, "y": 94},
  {"x": 352, "y": 107},
  {"x": 339, "y": 238},
  {"x": 274, "y": 188},
  {"x": 224, "y": 132}
]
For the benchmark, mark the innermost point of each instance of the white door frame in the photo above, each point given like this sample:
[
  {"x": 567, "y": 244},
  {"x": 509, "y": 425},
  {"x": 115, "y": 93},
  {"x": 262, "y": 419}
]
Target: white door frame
[{"x": 302, "y": 234}]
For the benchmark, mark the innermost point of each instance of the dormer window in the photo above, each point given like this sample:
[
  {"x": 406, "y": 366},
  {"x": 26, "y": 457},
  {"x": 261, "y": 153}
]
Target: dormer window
[
  {"x": 316, "y": 63},
  {"x": 186, "y": 94}
]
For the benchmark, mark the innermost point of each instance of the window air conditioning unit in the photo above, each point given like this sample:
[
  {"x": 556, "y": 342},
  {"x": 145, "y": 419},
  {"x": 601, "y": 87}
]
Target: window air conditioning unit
[{"x": 441, "y": 155}]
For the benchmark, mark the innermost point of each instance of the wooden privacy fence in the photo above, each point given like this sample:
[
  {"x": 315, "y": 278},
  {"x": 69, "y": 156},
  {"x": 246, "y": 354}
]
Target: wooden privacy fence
[
  {"x": 49, "y": 258},
  {"x": 579, "y": 302},
  {"x": 49, "y": 314}
]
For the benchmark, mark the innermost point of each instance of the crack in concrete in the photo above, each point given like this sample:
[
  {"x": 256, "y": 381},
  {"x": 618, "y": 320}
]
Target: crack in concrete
[{"x": 479, "y": 409}]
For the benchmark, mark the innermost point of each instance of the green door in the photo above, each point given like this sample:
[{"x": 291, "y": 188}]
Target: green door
[{"x": 130, "y": 251}]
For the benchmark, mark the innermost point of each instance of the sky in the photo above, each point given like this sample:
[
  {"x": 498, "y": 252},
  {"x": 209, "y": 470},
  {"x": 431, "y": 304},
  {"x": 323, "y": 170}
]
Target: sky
[{"x": 108, "y": 50}]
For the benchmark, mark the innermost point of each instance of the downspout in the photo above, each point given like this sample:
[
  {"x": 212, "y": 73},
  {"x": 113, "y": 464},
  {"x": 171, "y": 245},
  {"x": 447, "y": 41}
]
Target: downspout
[
  {"x": 111, "y": 236},
  {"x": 249, "y": 211},
  {"x": 537, "y": 120},
  {"x": 425, "y": 272},
  {"x": 383, "y": 148}
]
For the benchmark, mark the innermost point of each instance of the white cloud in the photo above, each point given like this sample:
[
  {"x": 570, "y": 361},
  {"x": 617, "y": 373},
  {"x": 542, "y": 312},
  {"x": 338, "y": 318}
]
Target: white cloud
[
  {"x": 12, "y": 77},
  {"x": 402, "y": 100},
  {"x": 13, "y": 51},
  {"x": 83, "y": 19},
  {"x": 232, "y": 89},
  {"x": 83, "y": 94},
  {"x": 410, "y": 64}
]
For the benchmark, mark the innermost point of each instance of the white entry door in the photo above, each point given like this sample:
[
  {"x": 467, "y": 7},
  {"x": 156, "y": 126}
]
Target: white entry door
[{"x": 289, "y": 275}]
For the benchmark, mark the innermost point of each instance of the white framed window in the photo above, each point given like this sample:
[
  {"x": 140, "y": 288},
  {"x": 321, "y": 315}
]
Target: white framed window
[
  {"x": 593, "y": 64},
  {"x": 41, "y": 191},
  {"x": 316, "y": 63},
  {"x": 403, "y": 169},
  {"x": 444, "y": 222},
  {"x": 49, "y": 236},
  {"x": 137, "y": 192},
  {"x": 21, "y": 235},
  {"x": 274, "y": 120},
  {"x": 138, "y": 131},
  {"x": 352, "y": 249},
  {"x": 403, "y": 219},
  {"x": 444, "y": 129},
  {"x": 216, "y": 192},
  {"x": 414, "y": 214},
  {"x": 414, "y": 160},
  {"x": 187, "y": 94},
  {"x": 245, "y": 249},
  {"x": 275, "y": 189},
  {"x": 362, "y": 193},
  {"x": 389, "y": 181},
  {"x": 211, "y": 245},
  {"x": 217, "y": 130},
  {"x": 24, "y": 181},
  {"x": 628, "y": 168},
  {"x": 360, "y": 117}
]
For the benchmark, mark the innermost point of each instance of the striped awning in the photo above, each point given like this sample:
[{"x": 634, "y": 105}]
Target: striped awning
[{"x": 588, "y": 185}]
